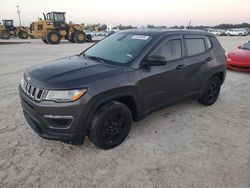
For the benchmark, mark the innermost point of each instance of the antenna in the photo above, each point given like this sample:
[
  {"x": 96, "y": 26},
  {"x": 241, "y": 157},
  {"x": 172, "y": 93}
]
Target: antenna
[
  {"x": 18, "y": 12},
  {"x": 189, "y": 24}
]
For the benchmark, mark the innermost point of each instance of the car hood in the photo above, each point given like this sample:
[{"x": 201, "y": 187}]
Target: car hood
[{"x": 69, "y": 73}]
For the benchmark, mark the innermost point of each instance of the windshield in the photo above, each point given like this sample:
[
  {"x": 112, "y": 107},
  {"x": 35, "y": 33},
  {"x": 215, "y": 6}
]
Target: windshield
[
  {"x": 246, "y": 46},
  {"x": 119, "y": 48},
  {"x": 59, "y": 17},
  {"x": 8, "y": 23}
]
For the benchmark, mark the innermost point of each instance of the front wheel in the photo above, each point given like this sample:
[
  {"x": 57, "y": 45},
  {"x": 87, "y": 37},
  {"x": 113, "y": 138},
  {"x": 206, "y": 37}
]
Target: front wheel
[
  {"x": 110, "y": 125},
  {"x": 79, "y": 36},
  {"x": 53, "y": 37},
  {"x": 212, "y": 92},
  {"x": 23, "y": 35}
]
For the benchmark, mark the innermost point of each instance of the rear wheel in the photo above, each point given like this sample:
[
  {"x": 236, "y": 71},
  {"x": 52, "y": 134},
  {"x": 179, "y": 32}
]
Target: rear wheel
[
  {"x": 212, "y": 92},
  {"x": 23, "y": 35},
  {"x": 110, "y": 125},
  {"x": 53, "y": 37},
  {"x": 79, "y": 36},
  {"x": 5, "y": 35}
]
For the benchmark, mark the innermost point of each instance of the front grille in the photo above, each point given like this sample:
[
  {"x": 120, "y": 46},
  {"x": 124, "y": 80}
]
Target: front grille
[{"x": 32, "y": 91}]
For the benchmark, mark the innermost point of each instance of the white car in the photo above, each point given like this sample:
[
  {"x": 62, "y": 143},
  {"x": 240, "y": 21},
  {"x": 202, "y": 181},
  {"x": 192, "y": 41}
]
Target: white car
[
  {"x": 237, "y": 32},
  {"x": 218, "y": 32}
]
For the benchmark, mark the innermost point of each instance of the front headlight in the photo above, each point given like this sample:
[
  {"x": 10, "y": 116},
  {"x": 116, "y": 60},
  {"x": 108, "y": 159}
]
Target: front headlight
[{"x": 65, "y": 96}]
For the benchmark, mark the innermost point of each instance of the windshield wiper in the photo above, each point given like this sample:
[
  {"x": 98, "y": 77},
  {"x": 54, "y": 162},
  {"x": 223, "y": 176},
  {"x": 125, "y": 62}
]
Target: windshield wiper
[
  {"x": 96, "y": 58},
  {"x": 99, "y": 59}
]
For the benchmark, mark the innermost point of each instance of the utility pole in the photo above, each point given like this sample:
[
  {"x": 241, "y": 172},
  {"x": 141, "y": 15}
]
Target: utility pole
[{"x": 18, "y": 12}]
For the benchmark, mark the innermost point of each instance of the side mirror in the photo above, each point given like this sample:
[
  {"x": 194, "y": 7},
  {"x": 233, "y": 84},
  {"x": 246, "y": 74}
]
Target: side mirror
[
  {"x": 239, "y": 47},
  {"x": 156, "y": 60}
]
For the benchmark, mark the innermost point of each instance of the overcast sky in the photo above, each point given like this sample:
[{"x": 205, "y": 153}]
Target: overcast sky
[{"x": 133, "y": 12}]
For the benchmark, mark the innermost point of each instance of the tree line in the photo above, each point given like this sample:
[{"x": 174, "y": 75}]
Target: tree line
[{"x": 225, "y": 26}]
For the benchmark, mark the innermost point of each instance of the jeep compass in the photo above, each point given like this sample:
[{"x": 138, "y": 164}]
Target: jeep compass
[{"x": 122, "y": 78}]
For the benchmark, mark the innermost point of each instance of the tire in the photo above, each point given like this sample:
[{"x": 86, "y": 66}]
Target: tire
[
  {"x": 89, "y": 38},
  {"x": 23, "y": 35},
  {"x": 240, "y": 34},
  {"x": 45, "y": 41},
  {"x": 111, "y": 125},
  {"x": 229, "y": 34},
  {"x": 5, "y": 35},
  {"x": 212, "y": 92},
  {"x": 79, "y": 36},
  {"x": 53, "y": 37}
]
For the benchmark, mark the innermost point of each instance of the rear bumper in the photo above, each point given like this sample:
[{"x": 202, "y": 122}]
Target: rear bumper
[
  {"x": 56, "y": 121},
  {"x": 240, "y": 66}
]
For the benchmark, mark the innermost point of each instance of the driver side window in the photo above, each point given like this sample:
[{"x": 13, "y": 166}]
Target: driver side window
[{"x": 171, "y": 50}]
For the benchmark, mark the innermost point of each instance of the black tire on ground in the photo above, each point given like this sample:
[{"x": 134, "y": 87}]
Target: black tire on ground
[
  {"x": 23, "y": 35},
  {"x": 5, "y": 35},
  {"x": 79, "y": 36},
  {"x": 110, "y": 125},
  {"x": 229, "y": 34},
  {"x": 211, "y": 92},
  {"x": 45, "y": 41},
  {"x": 53, "y": 37},
  {"x": 88, "y": 38}
]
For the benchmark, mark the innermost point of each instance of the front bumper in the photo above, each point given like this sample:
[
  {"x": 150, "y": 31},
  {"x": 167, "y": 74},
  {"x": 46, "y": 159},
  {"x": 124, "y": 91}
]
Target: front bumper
[
  {"x": 56, "y": 121},
  {"x": 240, "y": 66}
]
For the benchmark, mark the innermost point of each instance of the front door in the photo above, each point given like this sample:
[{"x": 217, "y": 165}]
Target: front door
[{"x": 162, "y": 85}]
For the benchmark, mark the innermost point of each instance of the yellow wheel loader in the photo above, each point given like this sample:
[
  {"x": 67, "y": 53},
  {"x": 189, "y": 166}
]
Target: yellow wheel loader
[
  {"x": 52, "y": 28},
  {"x": 8, "y": 30}
]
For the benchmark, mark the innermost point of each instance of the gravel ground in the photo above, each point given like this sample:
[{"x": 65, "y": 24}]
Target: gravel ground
[{"x": 186, "y": 145}]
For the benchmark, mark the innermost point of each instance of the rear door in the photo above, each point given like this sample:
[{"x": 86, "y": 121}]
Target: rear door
[{"x": 196, "y": 57}]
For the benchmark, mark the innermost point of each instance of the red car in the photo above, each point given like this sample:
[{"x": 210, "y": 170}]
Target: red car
[{"x": 239, "y": 59}]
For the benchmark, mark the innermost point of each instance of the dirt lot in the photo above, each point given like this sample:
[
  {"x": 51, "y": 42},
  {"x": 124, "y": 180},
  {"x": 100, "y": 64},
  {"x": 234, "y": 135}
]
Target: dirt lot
[{"x": 186, "y": 145}]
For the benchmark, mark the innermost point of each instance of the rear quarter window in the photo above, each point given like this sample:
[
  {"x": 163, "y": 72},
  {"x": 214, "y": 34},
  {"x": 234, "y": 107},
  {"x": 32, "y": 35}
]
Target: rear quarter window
[
  {"x": 194, "y": 46},
  {"x": 209, "y": 44}
]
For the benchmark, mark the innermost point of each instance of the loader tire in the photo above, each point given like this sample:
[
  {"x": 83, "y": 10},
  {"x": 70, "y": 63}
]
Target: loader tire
[
  {"x": 23, "y": 35},
  {"x": 5, "y": 35},
  {"x": 53, "y": 37},
  {"x": 79, "y": 36}
]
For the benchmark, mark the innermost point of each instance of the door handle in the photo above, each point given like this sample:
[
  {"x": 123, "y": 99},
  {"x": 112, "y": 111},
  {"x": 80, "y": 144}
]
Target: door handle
[{"x": 179, "y": 67}]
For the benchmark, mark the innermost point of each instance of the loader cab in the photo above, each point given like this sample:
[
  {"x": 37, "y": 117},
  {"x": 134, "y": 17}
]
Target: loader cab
[
  {"x": 58, "y": 19},
  {"x": 8, "y": 24}
]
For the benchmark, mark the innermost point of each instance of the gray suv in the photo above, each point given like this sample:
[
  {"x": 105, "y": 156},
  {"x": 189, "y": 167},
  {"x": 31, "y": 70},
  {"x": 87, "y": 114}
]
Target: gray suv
[{"x": 123, "y": 78}]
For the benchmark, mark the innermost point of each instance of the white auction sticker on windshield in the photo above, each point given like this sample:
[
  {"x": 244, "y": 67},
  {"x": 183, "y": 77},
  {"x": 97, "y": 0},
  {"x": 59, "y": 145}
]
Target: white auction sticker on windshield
[{"x": 140, "y": 37}]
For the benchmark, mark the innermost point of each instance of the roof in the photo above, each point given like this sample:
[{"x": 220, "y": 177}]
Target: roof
[{"x": 158, "y": 32}]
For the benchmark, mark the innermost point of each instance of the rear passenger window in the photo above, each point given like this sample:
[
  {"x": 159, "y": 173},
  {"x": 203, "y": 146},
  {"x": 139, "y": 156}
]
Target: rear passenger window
[
  {"x": 194, "y": 46},
  {"x": 171, "y": 50}
]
